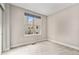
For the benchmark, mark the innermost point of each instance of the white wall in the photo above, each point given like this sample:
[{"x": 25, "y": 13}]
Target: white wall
[
  {"x": 64, "y": 26},
  {"x": 0, "y": 30},
  {"x": 17, "y": 28}
]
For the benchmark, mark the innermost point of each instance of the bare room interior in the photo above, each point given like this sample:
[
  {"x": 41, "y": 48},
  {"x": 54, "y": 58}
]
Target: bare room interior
[{"x": 39, "y": 28}]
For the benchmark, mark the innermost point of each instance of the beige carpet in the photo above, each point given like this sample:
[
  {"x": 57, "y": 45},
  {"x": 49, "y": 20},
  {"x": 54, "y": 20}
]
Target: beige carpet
[{"x": 42, "y": 48}]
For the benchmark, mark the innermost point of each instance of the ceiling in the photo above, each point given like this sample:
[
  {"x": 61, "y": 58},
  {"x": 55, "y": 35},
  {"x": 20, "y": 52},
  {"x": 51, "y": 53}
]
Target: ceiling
[{"x": 44, "y": 8}]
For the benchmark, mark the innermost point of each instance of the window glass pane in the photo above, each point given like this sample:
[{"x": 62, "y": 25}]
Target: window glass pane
[
  {"x": 33, "y": 25},
  {"x": 37, "y": 25},
  {"x": 30, "y": 25},
  {"x": 30, "y": 19}
]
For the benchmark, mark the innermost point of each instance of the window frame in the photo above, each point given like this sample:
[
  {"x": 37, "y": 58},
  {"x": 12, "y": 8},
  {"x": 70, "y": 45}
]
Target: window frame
[{"x": 39, "y": 32}]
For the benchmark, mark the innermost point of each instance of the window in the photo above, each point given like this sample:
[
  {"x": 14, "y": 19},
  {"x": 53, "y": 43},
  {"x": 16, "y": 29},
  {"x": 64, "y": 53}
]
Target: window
[{"x": 32, "y": 24}]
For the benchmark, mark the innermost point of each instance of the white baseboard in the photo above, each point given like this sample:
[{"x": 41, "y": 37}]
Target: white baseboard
[
  {"x": 64, "y": 44},
  {"x": 24, "y": 44}
]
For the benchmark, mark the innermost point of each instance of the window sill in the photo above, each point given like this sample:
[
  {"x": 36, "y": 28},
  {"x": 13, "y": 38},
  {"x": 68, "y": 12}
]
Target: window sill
[{"x": 32, "y": 34}]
